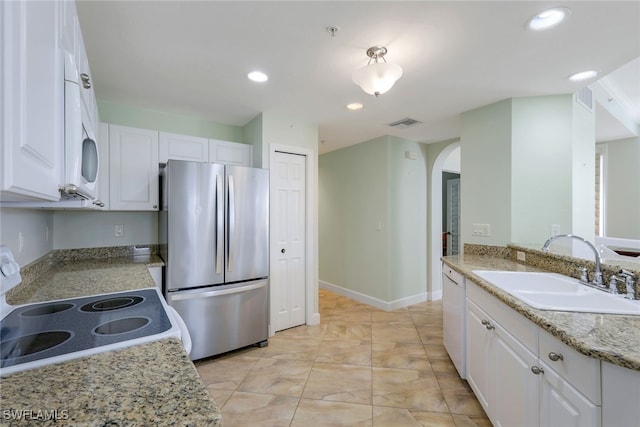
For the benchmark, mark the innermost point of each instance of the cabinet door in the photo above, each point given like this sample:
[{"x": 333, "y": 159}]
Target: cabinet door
[
  {"x": 515, "y": 394},
  {"x": 563, "y": 405},
  {"x": 32, "y": 93},
  {"x": 181, "y": 147},
  {"x": 230, "y": 153},
  {"x": 133, "y": 169},
  {"x": 479, "y": 343}
]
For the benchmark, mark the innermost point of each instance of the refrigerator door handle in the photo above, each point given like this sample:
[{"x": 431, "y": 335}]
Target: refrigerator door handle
[
  {"x": 219, "y": 224},
  {"x": 196, "y": 295},
  {"x": 231, "y": 224}
]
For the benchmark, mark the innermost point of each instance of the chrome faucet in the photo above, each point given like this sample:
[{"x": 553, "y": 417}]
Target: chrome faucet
[{"x": 597, "y": 279}]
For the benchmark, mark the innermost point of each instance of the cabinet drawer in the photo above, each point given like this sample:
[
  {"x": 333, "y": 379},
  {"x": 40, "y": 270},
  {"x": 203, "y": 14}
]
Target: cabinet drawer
[
  {"x": 452, "y": 274},
  {"x": 512, "y": 321},
  {"x": 581, "y": 371}
]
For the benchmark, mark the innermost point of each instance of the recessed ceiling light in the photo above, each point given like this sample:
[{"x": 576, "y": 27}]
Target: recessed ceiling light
[
  {"x": 355, "y": 106},
  {"x": 549, "y": 18},
  {"x": 583, "y": 75},
  {"x": 257, "y": 76}
]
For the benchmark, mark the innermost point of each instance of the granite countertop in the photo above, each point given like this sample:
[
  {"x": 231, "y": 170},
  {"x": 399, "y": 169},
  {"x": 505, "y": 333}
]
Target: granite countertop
[
  {"x": 143, "y": 385},
  {"x": 78, "y": 278},
  {"x": 140, "y": 385},
  {"x": 613, "y": 338}
]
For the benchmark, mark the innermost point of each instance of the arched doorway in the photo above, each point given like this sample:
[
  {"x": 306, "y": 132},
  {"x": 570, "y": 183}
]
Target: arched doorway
[{"x": 434, "y": 291}]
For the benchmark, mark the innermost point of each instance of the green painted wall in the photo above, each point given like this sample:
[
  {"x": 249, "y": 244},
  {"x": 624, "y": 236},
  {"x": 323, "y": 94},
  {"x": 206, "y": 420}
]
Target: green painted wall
[
  {"x": 485, "y": 162},
  {"x": 541, "y": 179},
  {"x": 623, "y": 188},
  {"x": 407, "y": 208},
  {"x": 372, "y": 218},
  {"x": 353, "y": 199},
  {"x": 126, "y": 115},
  {"x": 528, "y": 163},
  {"x": 252, "y": 134}
]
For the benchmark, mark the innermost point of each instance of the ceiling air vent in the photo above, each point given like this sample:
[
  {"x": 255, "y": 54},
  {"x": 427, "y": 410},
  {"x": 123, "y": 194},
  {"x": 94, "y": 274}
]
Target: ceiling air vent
[
  {"x": 404, "y": 123},
  {"x": 585, "y": 97}
]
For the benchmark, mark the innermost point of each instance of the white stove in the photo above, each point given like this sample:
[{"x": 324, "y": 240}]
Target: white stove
[{"x": 38, "y": 334}]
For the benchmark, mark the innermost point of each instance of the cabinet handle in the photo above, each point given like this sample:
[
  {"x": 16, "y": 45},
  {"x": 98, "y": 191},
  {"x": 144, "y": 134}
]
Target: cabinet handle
[
  {"x": 86, "y": 82},
  {"x": 155, "y": 206},
  {"x": 554, "y": 357},
  {"x": 537, "y": 370},
  {"x": 487, "y": 325}
]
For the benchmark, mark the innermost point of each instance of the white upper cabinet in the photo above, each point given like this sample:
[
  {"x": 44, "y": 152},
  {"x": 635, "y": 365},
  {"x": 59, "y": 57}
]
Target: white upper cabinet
[
  {"x": 182, "y": 147},
  {"x": 32, "y": 94},
  {"x": 133, "y": 169},
  {"x": 230, "y": 153}
]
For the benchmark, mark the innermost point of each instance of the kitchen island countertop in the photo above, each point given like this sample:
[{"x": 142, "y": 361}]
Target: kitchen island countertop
[
  {"x": 613, "y": 338},
  {"x": 148, "y": 384}
]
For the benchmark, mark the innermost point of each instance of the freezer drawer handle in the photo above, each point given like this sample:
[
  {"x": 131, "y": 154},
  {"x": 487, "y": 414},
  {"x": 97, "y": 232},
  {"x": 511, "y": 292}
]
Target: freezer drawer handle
[{"x": 193, "y": 295}]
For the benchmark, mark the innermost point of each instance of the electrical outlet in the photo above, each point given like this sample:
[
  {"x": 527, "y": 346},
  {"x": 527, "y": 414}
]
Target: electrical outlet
[
  {"x": 555, "y": 229},
  {"x": 481, "y": 230},
  {"x": 20, "y": 241},
  {"x": 521, "y": 256},
  {"x": 46, "y": 233},
  {"x": 118, "y": 230}
]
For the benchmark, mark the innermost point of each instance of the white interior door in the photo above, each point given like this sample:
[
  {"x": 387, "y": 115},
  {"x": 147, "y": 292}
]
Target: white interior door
[
  {"x": 453, "y": 216},
  {"x": 288, "y": 241}
]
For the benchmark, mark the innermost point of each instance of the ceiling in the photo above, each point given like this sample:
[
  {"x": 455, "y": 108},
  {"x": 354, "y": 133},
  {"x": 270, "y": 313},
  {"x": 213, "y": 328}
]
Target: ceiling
[{"x": 192, "y": 58}]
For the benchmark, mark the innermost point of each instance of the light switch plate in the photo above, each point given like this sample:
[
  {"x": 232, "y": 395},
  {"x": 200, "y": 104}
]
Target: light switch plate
[{"x": 483, "y": 230}]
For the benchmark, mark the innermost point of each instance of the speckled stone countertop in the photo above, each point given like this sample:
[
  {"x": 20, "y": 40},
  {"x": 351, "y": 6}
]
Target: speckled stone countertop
[
  {"x": 610, "y": 337},
  {"x": 144, "y": 385},
  {"x": 71, "y": 279}
]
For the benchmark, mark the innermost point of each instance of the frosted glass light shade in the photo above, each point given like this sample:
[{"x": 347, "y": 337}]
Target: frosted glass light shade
[{"x": 377, "y": 78}]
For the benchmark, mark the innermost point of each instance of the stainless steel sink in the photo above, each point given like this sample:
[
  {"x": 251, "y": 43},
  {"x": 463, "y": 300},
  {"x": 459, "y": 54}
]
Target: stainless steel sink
[{"x": 552, "y": 291}]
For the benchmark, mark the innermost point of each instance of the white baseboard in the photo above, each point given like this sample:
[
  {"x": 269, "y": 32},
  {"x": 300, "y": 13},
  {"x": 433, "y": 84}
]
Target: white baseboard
[
  {"x": 314, "y": 320},
  {"x": 435, "y": 296},
  {"x": 375, "y": 302}
]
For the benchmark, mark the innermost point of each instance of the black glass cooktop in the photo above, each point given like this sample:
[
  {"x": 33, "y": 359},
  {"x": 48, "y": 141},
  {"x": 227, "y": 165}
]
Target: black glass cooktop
[{"x": 44, "y": 330}]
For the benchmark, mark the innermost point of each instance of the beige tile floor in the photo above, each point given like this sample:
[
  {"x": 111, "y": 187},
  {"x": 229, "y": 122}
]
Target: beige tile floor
[{"x": 360, "y": 367}]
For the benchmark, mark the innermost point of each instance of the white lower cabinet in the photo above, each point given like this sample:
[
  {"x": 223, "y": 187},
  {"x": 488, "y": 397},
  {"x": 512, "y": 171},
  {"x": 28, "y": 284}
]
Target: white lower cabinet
[
  {"x": 521, "y": 375},
  {"x": 562, "y": 405},
  {"x": 498, "y": 371},
  {"x": 620, "y": 396}
]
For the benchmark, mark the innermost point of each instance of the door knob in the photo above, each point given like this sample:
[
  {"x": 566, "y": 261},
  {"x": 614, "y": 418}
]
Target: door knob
[{"x": 283, "y": 250}]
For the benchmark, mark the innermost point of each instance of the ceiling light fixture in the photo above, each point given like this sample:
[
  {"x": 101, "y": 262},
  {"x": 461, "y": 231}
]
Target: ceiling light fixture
[
  {"x": 378, "y": 77},
  {"x": 355, "y": 106},
  {"x": 549, "y": 18},
  {"x": 583, "y": 75},
  {"x": 257, "y": 76}
]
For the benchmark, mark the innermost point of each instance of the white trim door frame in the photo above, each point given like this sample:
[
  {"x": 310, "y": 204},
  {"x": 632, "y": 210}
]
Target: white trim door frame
[{"x": 311, "y": 283}]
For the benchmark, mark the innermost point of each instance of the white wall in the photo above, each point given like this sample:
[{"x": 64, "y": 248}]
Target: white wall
[
  {"x": 93, "y": 229},
  {"x": 36, "y": 227}
]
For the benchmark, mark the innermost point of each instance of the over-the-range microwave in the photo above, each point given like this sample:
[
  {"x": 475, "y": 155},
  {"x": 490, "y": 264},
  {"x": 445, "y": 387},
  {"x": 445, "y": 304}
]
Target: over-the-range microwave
[{"x": 81, "y": 159}]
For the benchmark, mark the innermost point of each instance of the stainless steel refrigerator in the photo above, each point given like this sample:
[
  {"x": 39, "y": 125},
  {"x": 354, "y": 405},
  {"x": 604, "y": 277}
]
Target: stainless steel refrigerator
[{"x": 214, "y": 240}]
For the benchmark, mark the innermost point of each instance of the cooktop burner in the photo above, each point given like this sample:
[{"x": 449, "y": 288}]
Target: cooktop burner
[
  {"x": 34, "y": 332},
  {"x": 114, "y": 303}
]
